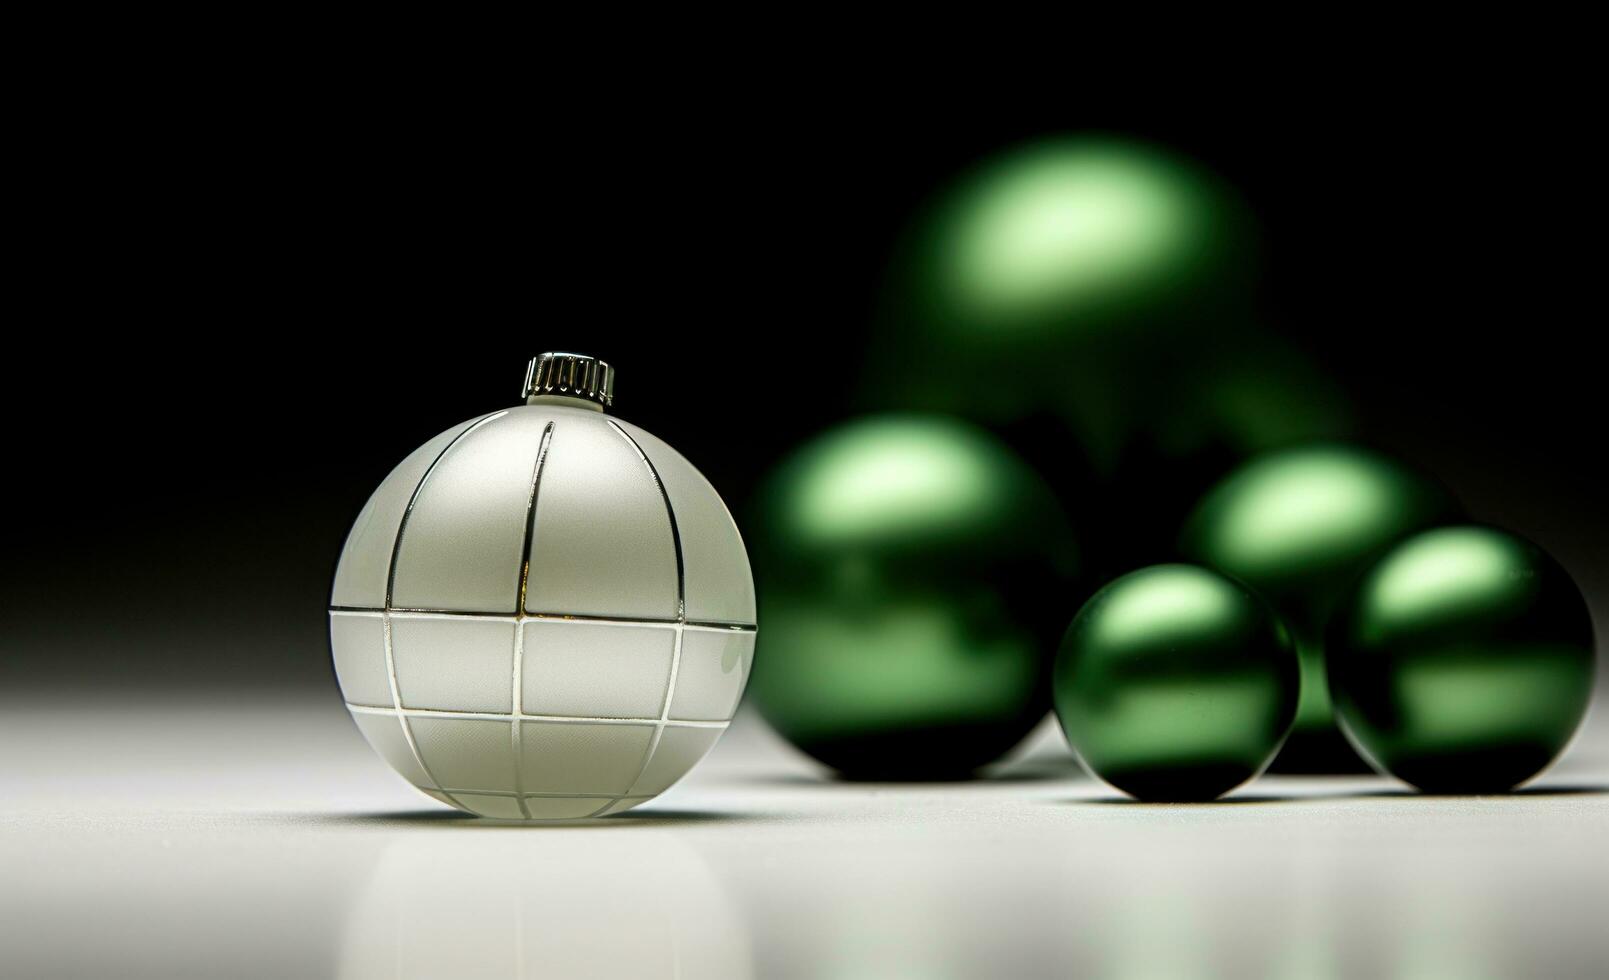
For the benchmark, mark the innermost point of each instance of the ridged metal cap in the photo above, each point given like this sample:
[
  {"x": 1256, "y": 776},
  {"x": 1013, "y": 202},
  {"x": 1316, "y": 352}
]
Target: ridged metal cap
[{"x": 570, "y": 376}]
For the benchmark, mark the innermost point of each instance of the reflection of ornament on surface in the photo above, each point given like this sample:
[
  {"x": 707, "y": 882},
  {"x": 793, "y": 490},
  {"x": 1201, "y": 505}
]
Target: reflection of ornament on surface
[
  {"x": 544, "y": 612},
  {"x": 621, "y": 903}
]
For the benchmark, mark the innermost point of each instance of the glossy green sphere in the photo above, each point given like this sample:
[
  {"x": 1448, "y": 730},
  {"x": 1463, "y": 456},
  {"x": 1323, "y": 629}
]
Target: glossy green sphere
[
  {"x": 1074, "y": 234},
  {"x": 912, "y": 575},
  {"x": 1299, "y": 525},
  {"x": 1463, "y": 660},
  {"x": 1176, "y": 683},
  {"x": 1066, "y": 264}
]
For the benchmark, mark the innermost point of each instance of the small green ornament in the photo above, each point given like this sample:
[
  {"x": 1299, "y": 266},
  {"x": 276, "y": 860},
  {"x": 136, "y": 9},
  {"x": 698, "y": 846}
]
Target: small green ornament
[
  {"x": 911, "y": 573},
  {"x": 1176, "y": 683},
  {"x": 1299, "y": 525},
  {"x": 1462, "y": 662}
]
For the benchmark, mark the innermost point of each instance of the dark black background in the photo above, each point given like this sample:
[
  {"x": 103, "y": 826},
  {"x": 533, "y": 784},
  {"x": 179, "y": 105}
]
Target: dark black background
[{"x": 239, "y": 317}]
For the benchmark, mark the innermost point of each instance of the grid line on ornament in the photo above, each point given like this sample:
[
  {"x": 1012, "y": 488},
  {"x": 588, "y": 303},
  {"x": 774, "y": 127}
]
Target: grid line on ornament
[
  {"x": 516, "y": 695},
  {"x": 390, "y": 588},
  {"x": 515, "y": 702},
  {"x": 670, "y": 514},
  {"x": 681, "y": 614},
  {"x": 370, "y": 709},
  {"x": 628, "y": 791},
  {"x": 505, "y": 794},
  {"x": 543, "y": 617}
]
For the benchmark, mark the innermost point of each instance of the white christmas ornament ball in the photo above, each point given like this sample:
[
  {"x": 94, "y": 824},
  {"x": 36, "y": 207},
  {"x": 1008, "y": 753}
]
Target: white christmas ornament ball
[{"x": 544, "y": 612}]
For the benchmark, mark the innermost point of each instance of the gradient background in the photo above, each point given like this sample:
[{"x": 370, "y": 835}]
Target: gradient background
[{"x": 267, "y": 313}]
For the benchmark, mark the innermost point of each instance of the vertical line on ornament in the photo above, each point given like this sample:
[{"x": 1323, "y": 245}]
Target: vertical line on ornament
[
  {"x": 516, "y": 702},
  {"x": 530, "y": 519},
  {"x": 670, "y": 512},
  {"x": 681, "y": 612},
  {"x": 390, "y": 589},
  {"x": 517, "y": 698}
]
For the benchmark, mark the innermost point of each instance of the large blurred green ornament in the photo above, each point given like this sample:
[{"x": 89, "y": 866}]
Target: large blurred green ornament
[
  {"x": 912, "y": 576},
  {"x": 1299, "y": 525},
  {"x": 1074, "y": 233},
  {"x": 1067, "y": 263},
  {"x": 1463, "y": 661},
  {"x": 1114, "y": 283},
  {"x": 1176, "y": 683}
]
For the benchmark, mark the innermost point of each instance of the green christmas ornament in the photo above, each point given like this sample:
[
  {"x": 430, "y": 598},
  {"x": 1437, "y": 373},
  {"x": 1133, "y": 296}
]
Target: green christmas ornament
[
  {"x": 1074, "y": 234},
  {"x": 910, "y": 572},
  {"x": 1462, "y": 662},
  {"x": 1063, "y": 263},
  {"x": 1176, "y": 683},
  {"x": 1299, "y": 525}
]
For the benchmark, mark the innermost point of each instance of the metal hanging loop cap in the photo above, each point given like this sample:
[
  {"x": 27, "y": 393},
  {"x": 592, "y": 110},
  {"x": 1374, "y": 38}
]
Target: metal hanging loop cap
[{"x": 570, "y": 376}]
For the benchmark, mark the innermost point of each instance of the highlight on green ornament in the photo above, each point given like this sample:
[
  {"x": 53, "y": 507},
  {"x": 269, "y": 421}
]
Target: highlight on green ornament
[
  {"x": 1066, "y": 231},
  {"x": 913, "y": 574},
  {"x": 1298, "y": 525},
  {"x": 1462, "y": 662},
  {"x": 1176, "y": 683}
]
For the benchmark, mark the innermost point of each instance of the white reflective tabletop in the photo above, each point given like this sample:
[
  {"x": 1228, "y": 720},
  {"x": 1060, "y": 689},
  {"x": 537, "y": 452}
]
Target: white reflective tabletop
[{"x": 219, "y": 837}]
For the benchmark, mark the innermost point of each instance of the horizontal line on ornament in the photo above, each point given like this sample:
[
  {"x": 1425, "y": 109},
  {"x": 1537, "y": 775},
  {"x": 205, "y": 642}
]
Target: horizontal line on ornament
[
  {"x": 507, "y": 795},
  {"x": 366, "y": 709},
  {"x": 545, "y": 617}
]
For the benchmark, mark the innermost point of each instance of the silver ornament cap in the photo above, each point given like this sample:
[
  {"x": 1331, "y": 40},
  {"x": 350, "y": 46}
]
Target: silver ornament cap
[{"x": 564, "y": 375}]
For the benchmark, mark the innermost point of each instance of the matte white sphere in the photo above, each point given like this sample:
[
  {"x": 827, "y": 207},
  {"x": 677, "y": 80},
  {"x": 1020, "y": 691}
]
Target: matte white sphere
[{"x": 543, "y": 613}]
